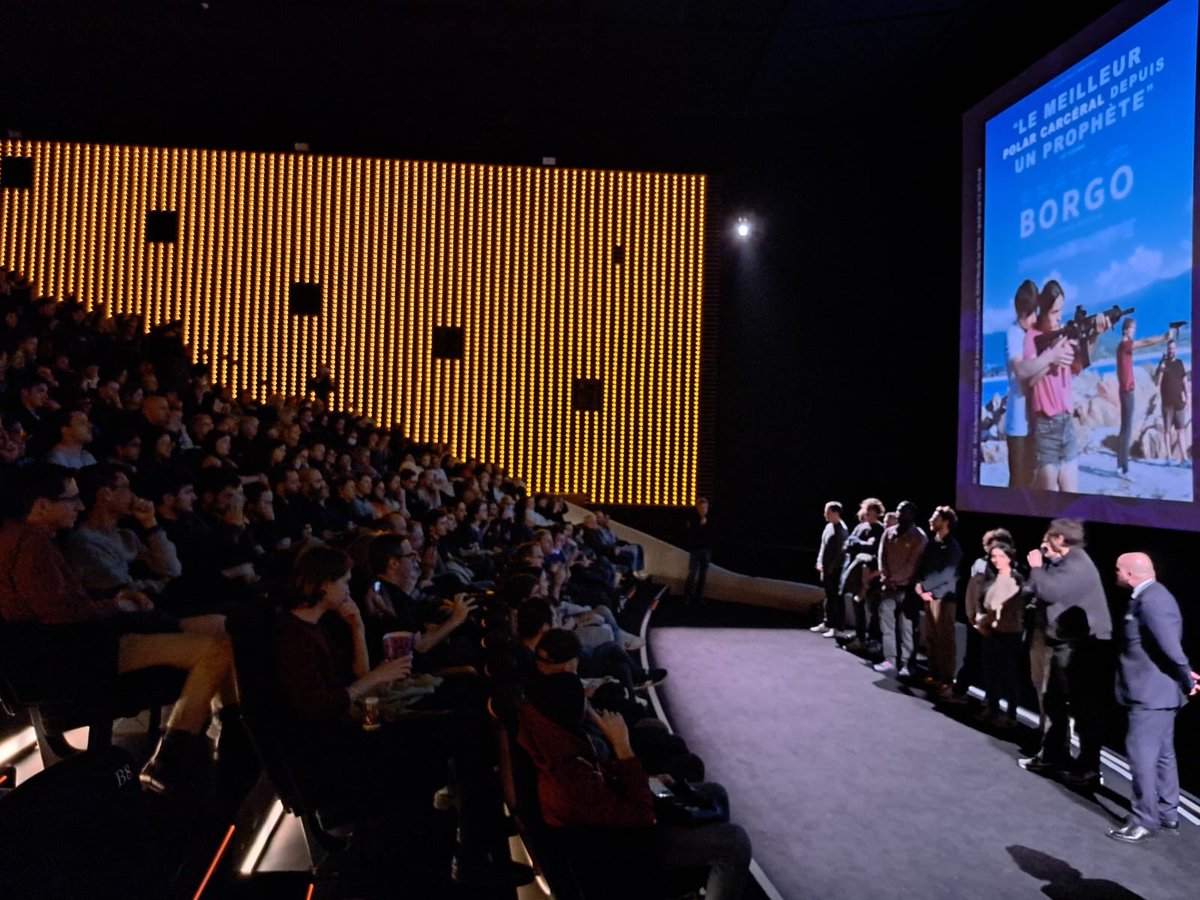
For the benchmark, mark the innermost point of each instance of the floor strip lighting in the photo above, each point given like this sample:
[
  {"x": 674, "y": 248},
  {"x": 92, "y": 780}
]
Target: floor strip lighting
[
  {"x": 1189, "y": 808},
  {"x": 261, "y": 838},
  {"x": 17, "y": 745}
]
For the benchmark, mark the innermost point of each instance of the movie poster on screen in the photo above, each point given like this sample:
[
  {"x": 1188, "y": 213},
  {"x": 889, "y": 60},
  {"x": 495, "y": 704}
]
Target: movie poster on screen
[{"x": 1088, "y": 192}]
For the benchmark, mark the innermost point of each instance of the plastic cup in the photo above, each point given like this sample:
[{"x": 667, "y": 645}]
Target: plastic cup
[
  {"x": 398, "y": 645},
  {"x": 371, "y": 719}
]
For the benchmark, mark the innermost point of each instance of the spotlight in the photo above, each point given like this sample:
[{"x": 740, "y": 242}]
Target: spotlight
[{"x": 743, "y": 228}]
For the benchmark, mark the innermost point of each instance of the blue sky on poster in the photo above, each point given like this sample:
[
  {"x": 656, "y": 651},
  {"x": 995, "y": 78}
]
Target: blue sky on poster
[{"x": 1089, "y": 179}]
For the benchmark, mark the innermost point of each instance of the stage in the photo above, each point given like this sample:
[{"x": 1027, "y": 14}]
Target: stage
[{"x": 851, "y": 786}]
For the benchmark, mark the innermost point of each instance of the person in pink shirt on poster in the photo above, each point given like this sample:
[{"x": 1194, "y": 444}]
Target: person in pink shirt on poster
[{"x": 1051, "y": 403}]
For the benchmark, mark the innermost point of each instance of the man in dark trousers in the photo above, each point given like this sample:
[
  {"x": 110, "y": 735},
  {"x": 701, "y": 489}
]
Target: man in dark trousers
[
  {"x": 1073, "y": 619},
  {"x": 1154, "y": 681},
  {"x": 698, "y": 541},
  {"x": 829, "y": 566},
  {"x": 938, "y": 590}
]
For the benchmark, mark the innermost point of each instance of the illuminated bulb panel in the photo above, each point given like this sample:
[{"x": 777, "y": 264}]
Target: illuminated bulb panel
[{"x": 521, "y": 259}]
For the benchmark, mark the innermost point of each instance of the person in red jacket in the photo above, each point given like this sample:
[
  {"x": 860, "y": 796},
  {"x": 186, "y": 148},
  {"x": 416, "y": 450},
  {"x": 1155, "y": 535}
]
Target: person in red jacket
[{"x": 583, "y": 781}]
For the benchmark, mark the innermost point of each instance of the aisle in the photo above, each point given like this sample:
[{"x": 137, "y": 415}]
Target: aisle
[{"x": 852, "y": 789}]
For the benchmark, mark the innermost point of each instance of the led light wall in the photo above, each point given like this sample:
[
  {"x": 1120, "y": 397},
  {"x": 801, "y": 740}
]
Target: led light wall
[{"x": 541, "y": 277}]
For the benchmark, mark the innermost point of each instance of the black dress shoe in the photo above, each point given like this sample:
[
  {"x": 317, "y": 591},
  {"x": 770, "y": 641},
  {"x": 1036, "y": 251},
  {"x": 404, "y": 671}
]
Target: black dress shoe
[
  {"x": 1083, "y": 780},
  {"x": 1131, "y": 833},
  {"x": 1170, "y": 827}
]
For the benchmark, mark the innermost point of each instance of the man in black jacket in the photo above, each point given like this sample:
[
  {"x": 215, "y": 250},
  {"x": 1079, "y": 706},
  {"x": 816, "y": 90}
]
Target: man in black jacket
[
  {"x": 1154, "y": 681},
  {"x": 1073, "y": 621},
  {"x": 938, "y": 589}
]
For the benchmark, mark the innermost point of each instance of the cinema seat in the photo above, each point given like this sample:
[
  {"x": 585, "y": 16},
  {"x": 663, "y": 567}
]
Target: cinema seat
[
  {"x": 66, "y": 677},
  {"x": 326, "y": 830}
]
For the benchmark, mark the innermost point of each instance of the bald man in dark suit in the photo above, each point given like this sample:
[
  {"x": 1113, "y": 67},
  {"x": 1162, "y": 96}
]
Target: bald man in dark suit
[{"x": 1154, "y": 681}]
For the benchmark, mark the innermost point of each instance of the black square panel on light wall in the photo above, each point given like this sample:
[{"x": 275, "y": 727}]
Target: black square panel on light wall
[
  {"x": 162, "y": 226},
  {"x": 587, "y": 395},
  {"x": 16, "y": 172},
  {"x": 449, "y": 342},
  {"x": 304, "y": 299}
]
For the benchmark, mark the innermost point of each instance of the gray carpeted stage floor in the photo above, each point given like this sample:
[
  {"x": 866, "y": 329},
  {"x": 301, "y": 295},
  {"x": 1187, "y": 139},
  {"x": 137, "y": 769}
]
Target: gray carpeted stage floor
[{"x": 852, "y": 789}]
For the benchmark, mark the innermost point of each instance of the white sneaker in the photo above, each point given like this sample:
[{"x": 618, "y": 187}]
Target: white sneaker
[
  {"x": 819, "y": 629},
  {"x": 832, "y": 632}
]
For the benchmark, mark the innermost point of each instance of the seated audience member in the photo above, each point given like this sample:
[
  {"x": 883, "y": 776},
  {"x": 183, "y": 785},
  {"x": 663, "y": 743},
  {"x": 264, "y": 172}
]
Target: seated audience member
[
  {"x": 322, "y": 669},
  {"x": 42, "y": 588},
  {"x": 231, "y": 548},
  {"x": 598, "y": 536},
  {"x": 399, "y": 606},
  {"x": 595, "y": 624},
  {"x": 347, "y": 506},
  {"x": 125, "y": 448},
  {"x": 560, "y": 651},
  {"x": 314, "y": 512},
  {"x": 101, "y": 550},
  {"x": 585, "y": 782},
  {"x": 260, "y": 515},
  {"x": 289, "y": 516},
  {"x": 75, "y": 433},
  {"x": 33, "y": 408}
]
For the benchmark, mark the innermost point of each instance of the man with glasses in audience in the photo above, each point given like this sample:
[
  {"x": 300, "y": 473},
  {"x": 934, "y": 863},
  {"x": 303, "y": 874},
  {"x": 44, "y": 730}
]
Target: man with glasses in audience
[{"x": 41, "y": 588}]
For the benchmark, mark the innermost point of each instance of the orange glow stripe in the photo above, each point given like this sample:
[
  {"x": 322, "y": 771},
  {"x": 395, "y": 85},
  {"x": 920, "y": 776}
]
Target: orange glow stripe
[{"x": 213, "y": 865}]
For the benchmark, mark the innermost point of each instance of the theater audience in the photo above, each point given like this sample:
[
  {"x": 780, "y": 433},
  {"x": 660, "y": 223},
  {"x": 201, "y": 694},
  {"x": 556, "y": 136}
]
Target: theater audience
[
  {"x": 585, "y": 782},
  {"x": 322, "y": 669},
  {"x": 43, "y": 588}
]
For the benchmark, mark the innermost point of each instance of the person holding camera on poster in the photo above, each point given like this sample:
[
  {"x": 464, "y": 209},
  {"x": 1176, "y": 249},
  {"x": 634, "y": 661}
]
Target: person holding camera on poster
[{"x": 1051, "y": 402}]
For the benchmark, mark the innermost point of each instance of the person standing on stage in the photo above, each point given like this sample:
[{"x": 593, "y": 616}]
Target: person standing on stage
[
  {"x": 698, "y": 540},
  {"x": 829, "y": 567},
  {"x": 938, "y": 589},
  {"x": 1073, "y": 617},
  {"x": 1125, "y": 386},
  {"x": 859, "y": 582},
  {"x": 899, "y": 606},
  {"x": 1154, "y": 680}
]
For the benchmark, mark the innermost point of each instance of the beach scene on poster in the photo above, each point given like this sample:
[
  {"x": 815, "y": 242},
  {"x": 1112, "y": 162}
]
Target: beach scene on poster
[{"x": 1086, "y": 306}]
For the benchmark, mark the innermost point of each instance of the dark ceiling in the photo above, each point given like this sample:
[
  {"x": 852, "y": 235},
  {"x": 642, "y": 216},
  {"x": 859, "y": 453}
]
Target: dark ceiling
[{"x": 671, "y": 83}]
